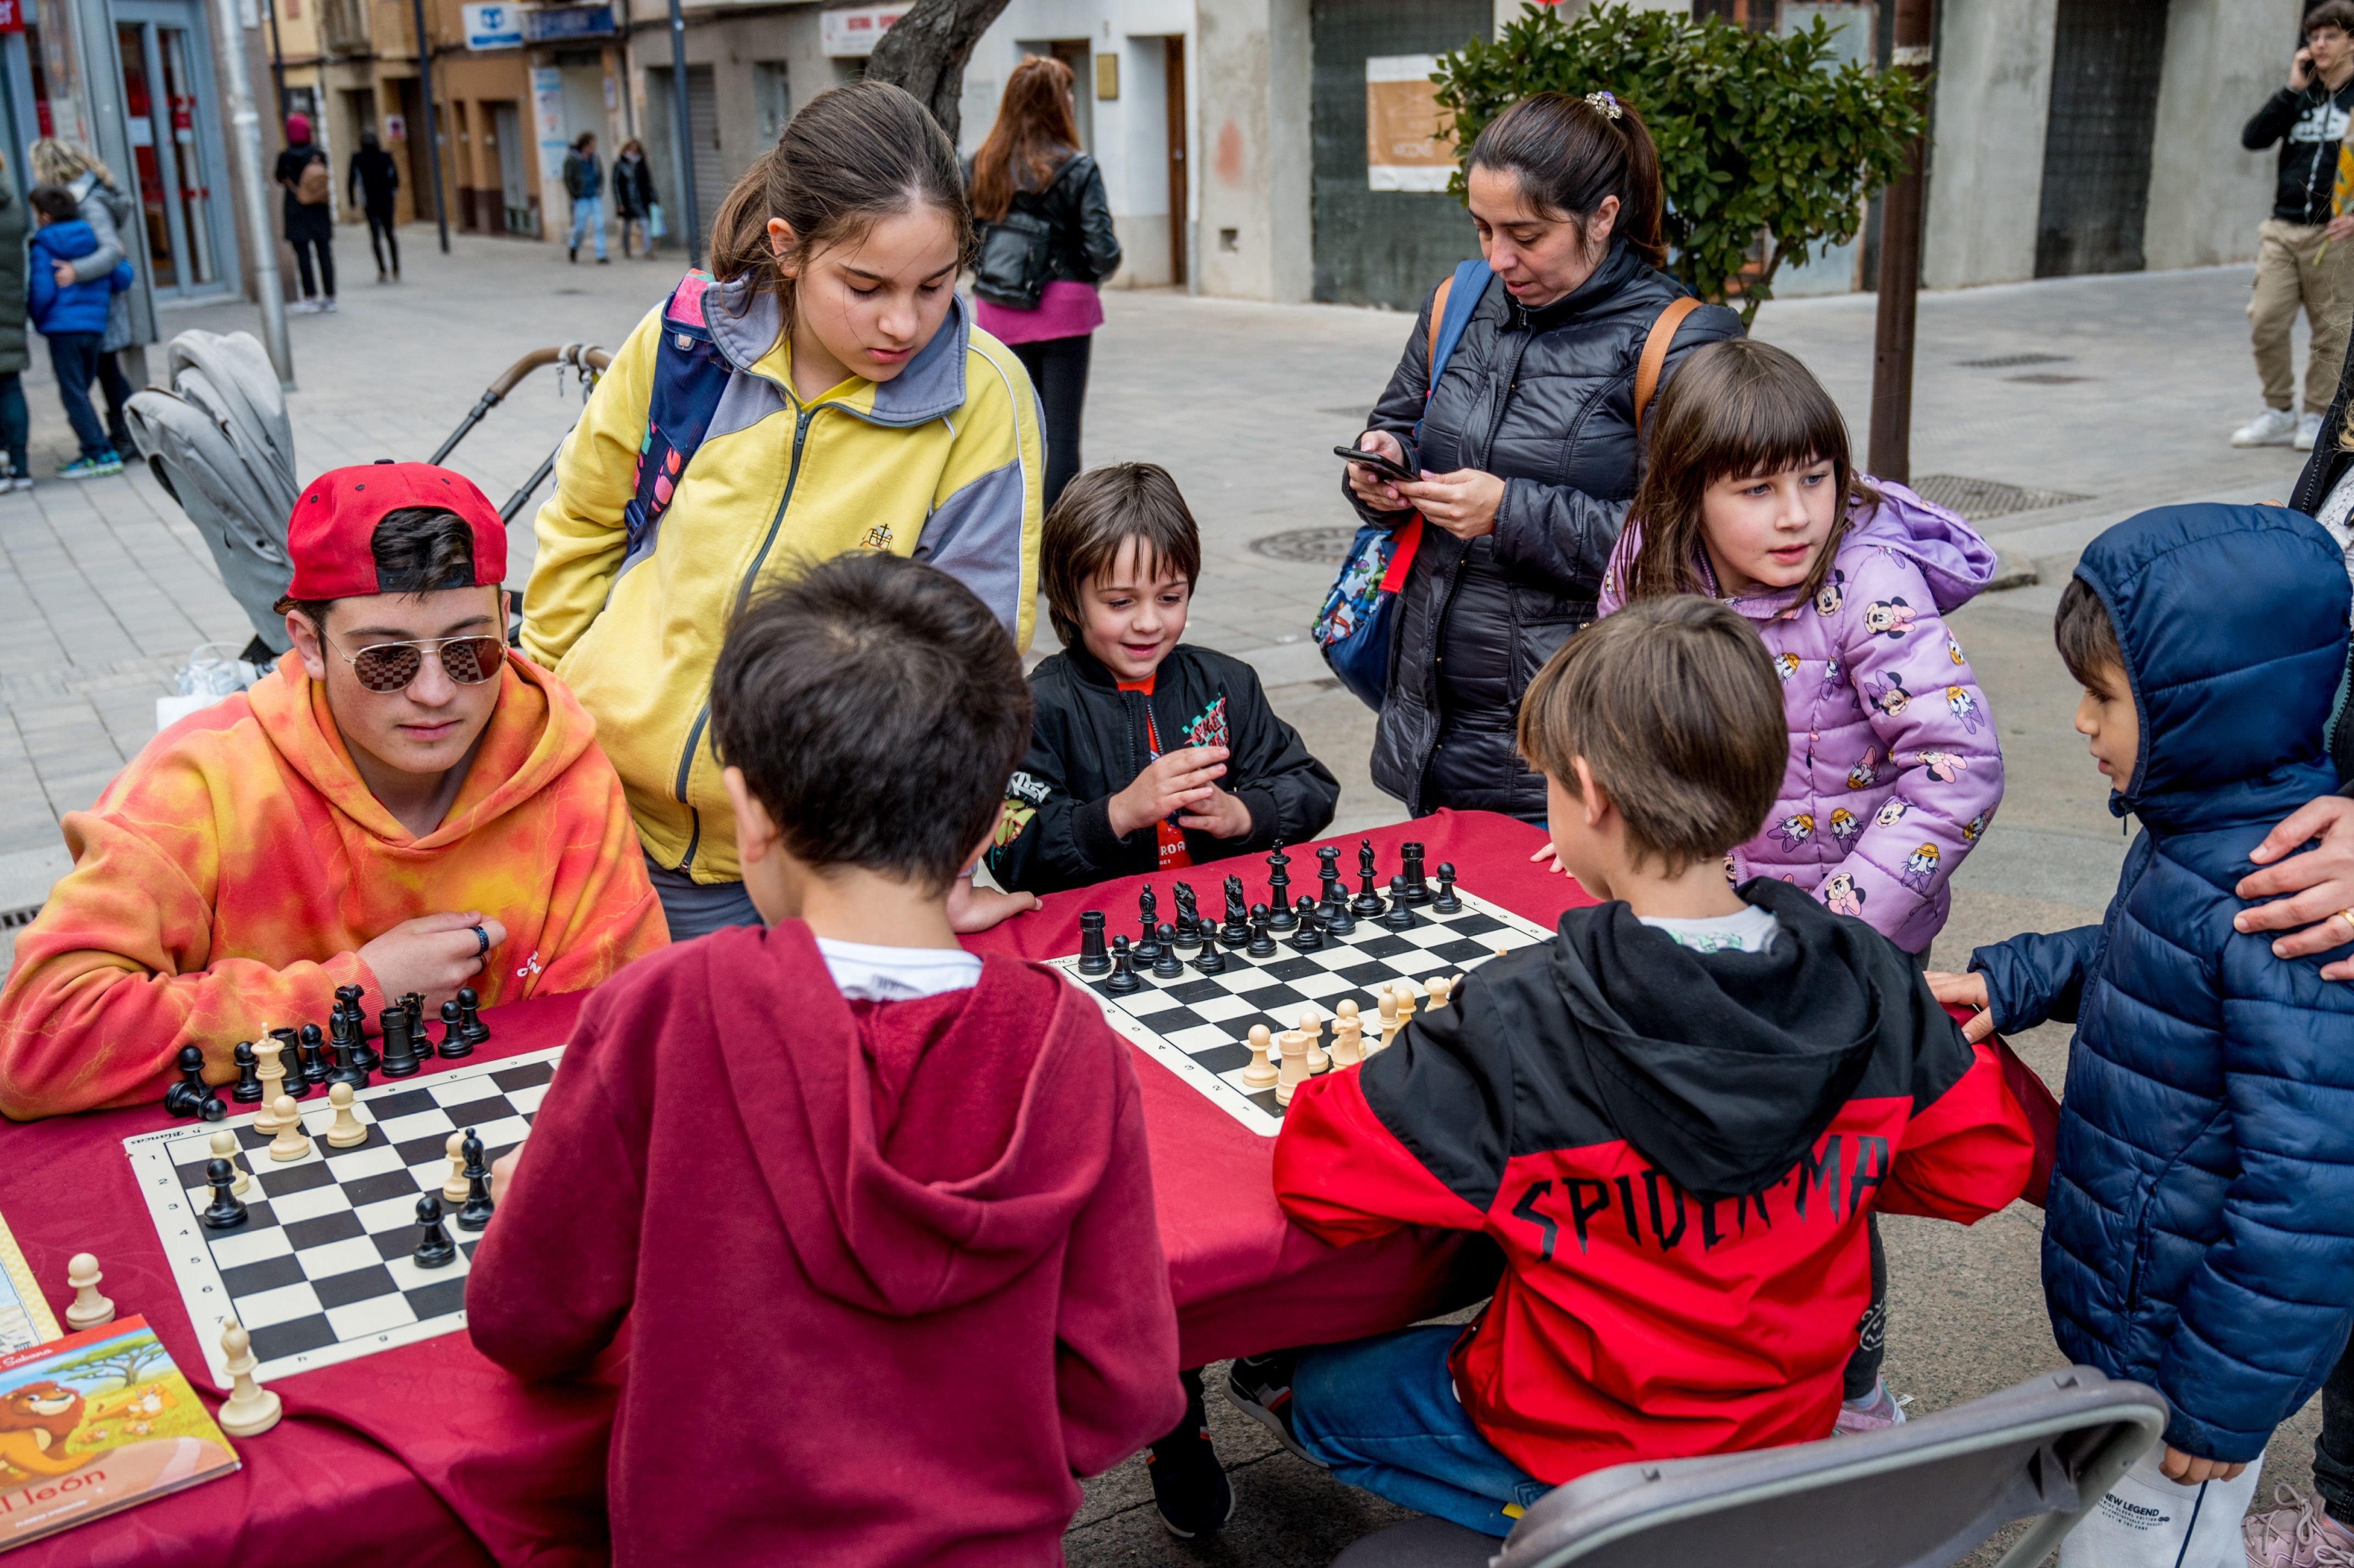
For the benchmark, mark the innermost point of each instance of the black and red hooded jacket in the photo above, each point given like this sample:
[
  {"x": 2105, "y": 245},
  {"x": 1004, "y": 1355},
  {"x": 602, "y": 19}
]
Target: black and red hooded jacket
[{"x": 1676, "y": 1151}]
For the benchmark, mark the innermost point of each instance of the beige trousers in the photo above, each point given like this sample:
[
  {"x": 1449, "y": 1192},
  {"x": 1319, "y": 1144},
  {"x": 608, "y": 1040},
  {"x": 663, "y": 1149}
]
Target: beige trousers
[{"x": 2288, "y": 279}]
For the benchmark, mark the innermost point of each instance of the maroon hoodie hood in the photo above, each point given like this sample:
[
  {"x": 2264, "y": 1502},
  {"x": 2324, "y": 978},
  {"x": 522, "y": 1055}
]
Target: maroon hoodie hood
[{"x": 938, "y": 1184}]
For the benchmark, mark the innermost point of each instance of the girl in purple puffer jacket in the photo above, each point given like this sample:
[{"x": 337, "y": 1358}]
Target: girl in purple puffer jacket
[{"x": 1749, "y": 496}]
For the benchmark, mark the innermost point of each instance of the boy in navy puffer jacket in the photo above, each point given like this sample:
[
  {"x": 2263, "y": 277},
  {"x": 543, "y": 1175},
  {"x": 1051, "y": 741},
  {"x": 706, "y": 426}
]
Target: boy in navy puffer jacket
[
  {"x": 73, "y": 319},
  {"x": 2199, "y": 1233}
]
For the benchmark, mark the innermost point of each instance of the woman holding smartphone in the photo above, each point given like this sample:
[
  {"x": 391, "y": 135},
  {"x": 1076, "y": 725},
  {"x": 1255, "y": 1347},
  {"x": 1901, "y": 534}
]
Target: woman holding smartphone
[{"x": 1527, "y": 452}]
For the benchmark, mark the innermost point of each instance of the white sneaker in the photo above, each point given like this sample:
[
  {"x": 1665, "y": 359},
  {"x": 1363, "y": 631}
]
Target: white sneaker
[
  {"x": 329, "y": 307},
  {"x": 2273, "y": 427},
  {"x": 2309, "y": 430}
]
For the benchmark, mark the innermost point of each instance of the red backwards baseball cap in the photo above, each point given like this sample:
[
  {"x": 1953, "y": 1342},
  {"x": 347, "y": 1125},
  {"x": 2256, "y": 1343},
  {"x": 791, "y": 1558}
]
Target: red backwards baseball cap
[{"x": 332, "y": 535}]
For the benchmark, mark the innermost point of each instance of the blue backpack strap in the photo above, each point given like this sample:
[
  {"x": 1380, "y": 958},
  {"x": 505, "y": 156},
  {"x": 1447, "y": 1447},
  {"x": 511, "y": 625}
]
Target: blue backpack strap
[
  {"x": 690, "y": 375},
  {"x": 1470, "y": 285}
]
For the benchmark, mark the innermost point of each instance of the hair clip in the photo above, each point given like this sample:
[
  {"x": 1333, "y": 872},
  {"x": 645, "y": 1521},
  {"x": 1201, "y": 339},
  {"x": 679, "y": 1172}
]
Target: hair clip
[{"x": 1605, "y": 104}]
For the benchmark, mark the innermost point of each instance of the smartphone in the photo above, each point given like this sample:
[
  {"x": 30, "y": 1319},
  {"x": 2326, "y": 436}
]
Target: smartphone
[{"x": 1397, "y": 473}]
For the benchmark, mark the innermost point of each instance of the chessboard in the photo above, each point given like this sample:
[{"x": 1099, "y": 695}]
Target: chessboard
[
  {"x": 320, "y": 1270},
  {"x": 1198, "y": 1024}
]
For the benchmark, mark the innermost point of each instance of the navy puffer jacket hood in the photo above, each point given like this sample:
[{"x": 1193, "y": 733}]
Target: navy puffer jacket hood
[{"x": 2199, "y": 1233}]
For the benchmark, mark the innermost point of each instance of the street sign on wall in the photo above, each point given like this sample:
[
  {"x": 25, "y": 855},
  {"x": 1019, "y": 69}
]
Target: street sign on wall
[
  {"x": 856, "y": 31},
  {"x": 495, "y": 25},
  {"x": 558, "y": 23}
]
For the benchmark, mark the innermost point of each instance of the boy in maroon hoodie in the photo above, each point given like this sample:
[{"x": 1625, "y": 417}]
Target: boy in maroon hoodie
[
  {"x": 878, "y": 1210},
  {"x": 1673, "y": 1117}
]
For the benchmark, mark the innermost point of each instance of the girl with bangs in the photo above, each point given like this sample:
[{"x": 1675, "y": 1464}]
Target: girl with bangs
[{"x": 1750, "y": 497}]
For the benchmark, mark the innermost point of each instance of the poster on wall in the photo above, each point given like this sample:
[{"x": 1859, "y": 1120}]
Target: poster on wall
[
  {"x": 548, "y": 123},
  {"x": 493, "y": 26},
  {"x": 1409, "y": 139},
  {"x": 852, "y": 33}
]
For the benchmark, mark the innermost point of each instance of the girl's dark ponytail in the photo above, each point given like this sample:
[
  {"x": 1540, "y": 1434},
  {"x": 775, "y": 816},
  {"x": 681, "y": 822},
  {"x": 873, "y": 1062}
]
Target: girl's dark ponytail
[{"x": 1571, "y": 152}]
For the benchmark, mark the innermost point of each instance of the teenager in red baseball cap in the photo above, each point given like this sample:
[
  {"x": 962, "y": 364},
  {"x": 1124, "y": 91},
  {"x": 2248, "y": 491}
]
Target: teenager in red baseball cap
[{"x": 402, "y": 805}]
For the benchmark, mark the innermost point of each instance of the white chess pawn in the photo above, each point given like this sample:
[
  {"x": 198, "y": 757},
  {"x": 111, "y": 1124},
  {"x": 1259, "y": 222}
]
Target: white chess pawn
[
  {"x": 225, "y": 1147},
  {"x": 1391, "y": 1018},
  {"x": 1407, "y": 995},
  {"x": 1440, "y": 988},
  {"x": 1312, "y": 1026},
  {"x": 250, "y": 1409},
  {"x": 454, "y": 1186},
  {"x": 291, "y": 1142},
  {"x": 89, "y": 1310},
  {"x": 1261, "y": 1074},
  {"x": 1295, "y": 1066},
  {"x": 349, "y": 1131}
]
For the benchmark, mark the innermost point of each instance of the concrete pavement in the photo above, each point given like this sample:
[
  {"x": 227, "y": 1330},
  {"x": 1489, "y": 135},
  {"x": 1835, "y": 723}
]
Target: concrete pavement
[{"x": 2091, "y": 397}]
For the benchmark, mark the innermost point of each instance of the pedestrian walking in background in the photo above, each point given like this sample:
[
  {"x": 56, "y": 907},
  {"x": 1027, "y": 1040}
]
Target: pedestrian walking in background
[
  {"x": 16, "y": 422},
  {"x": 1046, "y": 242},
  {"x": 309, "y": 180},
  {"x": 584, "y": 181},
  {"x": 72, "y": 316},
  {"x": 634, "y": 195},
  {"x": 110, "y": 214},
  {"x": 373, "y": 181},
  {"x": 2304, "y": 253}
]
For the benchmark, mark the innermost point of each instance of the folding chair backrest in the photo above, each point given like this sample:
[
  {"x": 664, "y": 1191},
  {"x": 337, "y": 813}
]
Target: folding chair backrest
[{"x": 1922, "y": 1495}]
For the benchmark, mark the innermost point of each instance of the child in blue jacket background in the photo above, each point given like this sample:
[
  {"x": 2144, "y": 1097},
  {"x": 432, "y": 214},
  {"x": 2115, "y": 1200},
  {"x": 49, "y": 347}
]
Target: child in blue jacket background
[
  {"x": 73, "y": 320},
  {"x": 2199, "y": 1233}
]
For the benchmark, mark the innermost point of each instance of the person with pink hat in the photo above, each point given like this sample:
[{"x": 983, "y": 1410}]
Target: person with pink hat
[{"x": 309, "y": 180}]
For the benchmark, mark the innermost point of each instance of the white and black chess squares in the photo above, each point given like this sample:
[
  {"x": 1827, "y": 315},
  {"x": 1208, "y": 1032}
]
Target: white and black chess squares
[{"x": 324, "y": 1254}]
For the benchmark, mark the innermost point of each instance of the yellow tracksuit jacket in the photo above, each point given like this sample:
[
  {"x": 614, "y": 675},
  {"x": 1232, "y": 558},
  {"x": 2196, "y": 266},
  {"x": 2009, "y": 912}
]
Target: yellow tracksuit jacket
[{"x": 944, "y": 462}]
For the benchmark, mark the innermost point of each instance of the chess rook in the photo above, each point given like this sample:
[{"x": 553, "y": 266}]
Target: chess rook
[
  {"x": 1294, "y": 1071},
  {"x": 401, "y": 1058},
  {"x": 1095, "y": 958},
  {"x": 1410, "y": 858}
]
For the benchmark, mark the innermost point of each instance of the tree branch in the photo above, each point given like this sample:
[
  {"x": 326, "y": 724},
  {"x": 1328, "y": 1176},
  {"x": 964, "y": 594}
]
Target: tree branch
[{"x": 926, "y": 51}]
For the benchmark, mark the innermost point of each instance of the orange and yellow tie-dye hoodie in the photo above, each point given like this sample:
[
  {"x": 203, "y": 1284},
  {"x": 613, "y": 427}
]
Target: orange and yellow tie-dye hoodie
[{"x": 228, "y": 877}]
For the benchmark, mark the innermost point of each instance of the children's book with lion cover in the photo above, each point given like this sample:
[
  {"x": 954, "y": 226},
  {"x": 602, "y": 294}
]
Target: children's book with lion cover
[{"x": 96, "y": 1422}]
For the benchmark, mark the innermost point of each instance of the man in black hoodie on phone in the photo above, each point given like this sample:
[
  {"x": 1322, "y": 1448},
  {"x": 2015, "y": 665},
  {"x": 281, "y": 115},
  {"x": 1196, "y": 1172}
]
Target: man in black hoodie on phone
[{"x": 2304, "y": 251}]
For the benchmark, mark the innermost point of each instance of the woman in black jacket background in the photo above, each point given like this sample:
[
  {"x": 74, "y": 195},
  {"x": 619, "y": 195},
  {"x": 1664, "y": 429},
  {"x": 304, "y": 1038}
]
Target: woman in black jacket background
[
  {"x": 1528, "y": 445},
  {"x": 1031, "y": 162}
]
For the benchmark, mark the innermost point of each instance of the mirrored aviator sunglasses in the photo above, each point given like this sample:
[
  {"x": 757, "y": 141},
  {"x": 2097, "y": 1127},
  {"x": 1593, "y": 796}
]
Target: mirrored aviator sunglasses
[{"x": 388, "y": 667}]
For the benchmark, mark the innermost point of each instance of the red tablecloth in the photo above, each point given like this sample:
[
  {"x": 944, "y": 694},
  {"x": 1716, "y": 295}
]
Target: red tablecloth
[{"x": 427, "y": 1453}]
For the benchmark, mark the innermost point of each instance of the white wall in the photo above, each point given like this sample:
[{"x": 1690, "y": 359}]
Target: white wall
[
  {"x": 2207, "y": 193},
  {"x": 1986, "y": 179}
]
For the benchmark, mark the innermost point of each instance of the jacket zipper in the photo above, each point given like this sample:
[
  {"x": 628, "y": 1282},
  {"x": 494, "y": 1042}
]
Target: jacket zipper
[{"x": 743, "y": 592}]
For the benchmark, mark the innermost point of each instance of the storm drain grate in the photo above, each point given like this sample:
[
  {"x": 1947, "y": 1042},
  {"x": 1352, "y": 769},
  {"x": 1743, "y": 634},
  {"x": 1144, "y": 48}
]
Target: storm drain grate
[
  {"x": 12, "y": 919},
  {"x": 2005, "y": 362},
  {"x": 2044, "y": 379},
  {"x": 1981, "y": 498},
  {"x": 1313, "y": 547}
]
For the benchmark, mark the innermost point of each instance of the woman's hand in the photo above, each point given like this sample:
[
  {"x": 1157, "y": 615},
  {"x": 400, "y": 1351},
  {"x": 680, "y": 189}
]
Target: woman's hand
[
  {"x": 1964, "y": 990},
  {"x": 2321, "y": 882},
  {"x": 1368, "y": 485},
  {"x": 1463, "y": 503}
]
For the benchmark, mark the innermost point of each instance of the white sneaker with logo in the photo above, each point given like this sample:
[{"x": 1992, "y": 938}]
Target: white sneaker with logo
[{"x": 2273, "y": 427}]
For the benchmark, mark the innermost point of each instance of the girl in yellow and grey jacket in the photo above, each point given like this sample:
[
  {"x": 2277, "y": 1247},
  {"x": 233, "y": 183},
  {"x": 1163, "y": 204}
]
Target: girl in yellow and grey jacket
[{"x": 828, "y": 392}]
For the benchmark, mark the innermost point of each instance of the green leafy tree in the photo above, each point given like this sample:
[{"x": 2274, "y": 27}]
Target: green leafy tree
[
  {"x": 1755, "y": 132},
  {"x": 125, "y": 1359}
]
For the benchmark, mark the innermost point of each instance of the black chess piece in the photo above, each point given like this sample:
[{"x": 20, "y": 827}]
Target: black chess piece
[
  {"x": 398, "y": 1040},
  {"x": 346, "y": 1069},
  {"x": 1189, "y": 916},
  {"x": 475, "y": 1213},
  {"x": 1213, "y": 960},
  {"x": 1340, "y": 922},
  {"x": 1401, "y": 915},
  {"x": 190, "y": 1096},
  {"x": 1278, "y": 890},
  {"x": 364, "y": 1055},
  {"x": 1446, "y": 903},
  {"x": 453, "y": 1033},
  {"x": 413, "y": 1004},
  {"x": 227, "y": 1212},
  {"x": 434, "y": 1247},
  {"x": 296, "y": 1084},
  {"x": 1094, "y": 958},
  {"x": 249, "y": 1080},
  {"x": 1417, "y": 891},
  {"x": 1309, "y": 936},
  {"x": 1123, "y": 980},
  {"x": 401, "y": 1058},
  {"x": 1330, "y": 892},
  {"x": 351, "y": 996},
  {"x": 1166, "y": 964},
  {"x": 1148, "y": 921},
  {"x": 1236, "y": 930},
  {"x": 315, "y": 1056},
  {"x": 1261, "y": 944},
  {"x": 1368, "y": 902},
  {"x": 470, "y": 1017}
]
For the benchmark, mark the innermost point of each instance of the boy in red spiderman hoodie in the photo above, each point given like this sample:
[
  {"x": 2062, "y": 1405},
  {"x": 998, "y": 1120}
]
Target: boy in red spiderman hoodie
[
  {"x": 878, "y": 1210},
  {"x": 1673, "y": 1117}
]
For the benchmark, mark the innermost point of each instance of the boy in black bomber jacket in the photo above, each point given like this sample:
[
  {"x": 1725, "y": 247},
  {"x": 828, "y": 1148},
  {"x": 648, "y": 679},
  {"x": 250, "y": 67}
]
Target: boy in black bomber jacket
[{"x": 1146, "y": 755}]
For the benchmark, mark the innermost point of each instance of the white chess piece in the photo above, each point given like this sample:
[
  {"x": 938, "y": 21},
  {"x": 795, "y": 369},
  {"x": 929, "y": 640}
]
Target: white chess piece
[
  {"x": 271, "y": 1070},
  {"x": 250, "y": 1409},
  {"x": 454, "y": 1186},
  {"x": 225, "y": 1147},
  {"x": 349, "y": 1131},
  {"x": 1348, "y": 1036},
  {"x": 1390, "y": 1016},
  {"x": 1407, "y": 995},
  {"x": 89, "y": 1310},
  {"x": 1295, "y": 1066},
  {"x": 1261, "y": 1074},
  {"x": 1312, "y": 1026},
  {"x": 291, "y": 1142},
  {"x": 1440, "y": 988}
]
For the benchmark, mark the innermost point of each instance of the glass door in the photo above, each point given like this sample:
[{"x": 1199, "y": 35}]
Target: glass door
[
  {"x": 192, "y": 176},
  {"x": 173, "y": 153}
]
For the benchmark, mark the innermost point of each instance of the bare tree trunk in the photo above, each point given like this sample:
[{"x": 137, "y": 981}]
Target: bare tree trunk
[{"x": 926, "y": 51}]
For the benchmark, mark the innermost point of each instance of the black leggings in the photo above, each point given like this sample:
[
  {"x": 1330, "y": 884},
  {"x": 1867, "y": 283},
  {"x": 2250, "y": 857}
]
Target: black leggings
[
  {"x": 1872, "y": 1333},
  {"x": 117, "y": 389},
  {"x": 381, "y": 239},
  {"x": 1058, "y": 369},
  {"x": 303, "y": 245}
]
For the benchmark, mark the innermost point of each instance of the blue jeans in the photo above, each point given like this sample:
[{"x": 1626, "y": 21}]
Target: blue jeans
[
  {"x": 15, "y": 424},
  {"x": 587, "y": 210},
  {"x": 1382, "y": 1412},
  {"x": 74, "y": 356}
]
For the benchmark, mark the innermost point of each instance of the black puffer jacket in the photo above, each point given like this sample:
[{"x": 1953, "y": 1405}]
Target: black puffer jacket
[
  {"x": 1544, "y": 400},
  {"x": 2323, "y": 469},
  {"x": 1084, "y": 249}
]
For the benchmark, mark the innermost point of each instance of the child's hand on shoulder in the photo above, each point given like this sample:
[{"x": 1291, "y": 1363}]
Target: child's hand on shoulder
[{"x": 1180, "y": 780}]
